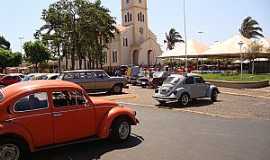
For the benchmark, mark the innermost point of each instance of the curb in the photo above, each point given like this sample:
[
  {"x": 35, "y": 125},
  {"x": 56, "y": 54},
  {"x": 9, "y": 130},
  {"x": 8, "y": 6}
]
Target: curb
[
  {"x": 247, "y": 95},
  {"x": 122, "y": 97}
]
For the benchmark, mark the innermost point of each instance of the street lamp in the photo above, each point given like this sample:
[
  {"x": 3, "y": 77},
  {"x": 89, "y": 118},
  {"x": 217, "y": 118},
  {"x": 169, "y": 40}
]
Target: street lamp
[
  {"x": 185, "y": 34},
  {"x": 200, "y": 33},
  {"x": 241, "y": 57},
  {"x": 21, "y": 41}
]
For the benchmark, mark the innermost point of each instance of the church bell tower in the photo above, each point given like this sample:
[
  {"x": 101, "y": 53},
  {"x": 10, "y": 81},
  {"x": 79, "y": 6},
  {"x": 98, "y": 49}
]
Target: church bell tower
[{"x": 134, "y": 13}]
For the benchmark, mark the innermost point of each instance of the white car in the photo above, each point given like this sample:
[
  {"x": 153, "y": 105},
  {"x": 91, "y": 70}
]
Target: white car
[{"x": 185, "y": 88}]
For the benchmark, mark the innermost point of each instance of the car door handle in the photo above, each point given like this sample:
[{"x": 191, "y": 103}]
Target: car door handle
[{"x": 57, "y": 114}]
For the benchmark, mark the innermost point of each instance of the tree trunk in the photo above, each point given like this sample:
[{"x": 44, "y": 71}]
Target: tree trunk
[
  {"x": 80, "y": 62},
  {"x": 59, "y": 59},
  {"x": 36, "y": 67},
  {"x": 253, "y": 66}
]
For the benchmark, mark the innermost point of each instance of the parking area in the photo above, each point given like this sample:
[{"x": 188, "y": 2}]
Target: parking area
[
  {"x": 165, "y": 132},
  {"x": 227, "y": 106}
]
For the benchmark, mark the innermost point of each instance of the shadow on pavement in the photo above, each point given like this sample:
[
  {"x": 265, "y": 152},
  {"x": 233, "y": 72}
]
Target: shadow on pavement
[
  {"x": 193, "y": 104},
  {"x": 86, "y": 151}
]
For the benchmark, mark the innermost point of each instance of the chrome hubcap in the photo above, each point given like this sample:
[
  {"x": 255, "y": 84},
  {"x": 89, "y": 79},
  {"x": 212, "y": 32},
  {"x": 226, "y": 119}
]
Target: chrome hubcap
[
  {"x": 117, "y": 89},
  {"x": 124, "y": 130},
  {"x": 215, "y": 94},
  {"x": 9, "y": 152},
  {"x": 185, "y": 100}
]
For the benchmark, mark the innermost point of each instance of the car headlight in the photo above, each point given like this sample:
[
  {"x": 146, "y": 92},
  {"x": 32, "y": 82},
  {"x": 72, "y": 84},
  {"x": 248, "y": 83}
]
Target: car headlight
[{"x": 174, "y": 92}]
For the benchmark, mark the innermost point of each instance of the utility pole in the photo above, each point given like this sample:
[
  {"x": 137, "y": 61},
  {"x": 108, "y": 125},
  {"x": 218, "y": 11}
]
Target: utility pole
[{"x": 185, "y": 34}]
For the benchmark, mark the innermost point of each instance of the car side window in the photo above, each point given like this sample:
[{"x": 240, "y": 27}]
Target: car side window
[
  {"x": 189, "y": 80},
  {"x": 101, "y": 75},
  {"x": 199, "y": 80},
  {"x": 68, "y": 76},
  {"x": 85, "y": 75},
  {"x": 32, "y": 102},
  {"x": 68, "y": 98}
]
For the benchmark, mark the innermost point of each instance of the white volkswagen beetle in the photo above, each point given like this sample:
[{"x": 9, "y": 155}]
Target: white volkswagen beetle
[{"x": 185, "y": 88}]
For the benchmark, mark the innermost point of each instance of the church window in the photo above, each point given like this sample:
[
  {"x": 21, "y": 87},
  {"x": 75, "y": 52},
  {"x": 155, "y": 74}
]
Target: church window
[
  {"x": 130, "y": 17},
  {"x": 143, "y": 17},
  {"x": 138, "y": 17},
  {"x": 141, "y": 30},
  {"x": 125, "y": 18},
  {"x": 125, "y": 42},
  {"x": 114, "y": 56}
]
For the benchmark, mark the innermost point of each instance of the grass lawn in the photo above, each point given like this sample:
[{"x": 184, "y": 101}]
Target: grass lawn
[{"x": 246, "y": 77}]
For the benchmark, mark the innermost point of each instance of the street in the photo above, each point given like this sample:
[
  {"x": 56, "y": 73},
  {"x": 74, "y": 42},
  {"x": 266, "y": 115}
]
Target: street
[{"x": 176, "y": 133}]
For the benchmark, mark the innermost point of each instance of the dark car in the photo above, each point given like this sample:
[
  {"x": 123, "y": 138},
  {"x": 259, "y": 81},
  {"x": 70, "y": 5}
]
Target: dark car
[
  {"x": 159, "y": 78},
  {"x": 2, "y": 75},
  {"x": 10, "y": 79},
  {"x": 143, "y": 82},
  {"x": 95, "y": 80}
]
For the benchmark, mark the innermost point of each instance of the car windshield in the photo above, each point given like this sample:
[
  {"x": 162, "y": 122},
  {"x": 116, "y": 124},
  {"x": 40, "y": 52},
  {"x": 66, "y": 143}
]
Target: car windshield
[
  {"x": 1, "y": 95},
  {"x": 172, "y": 80}
]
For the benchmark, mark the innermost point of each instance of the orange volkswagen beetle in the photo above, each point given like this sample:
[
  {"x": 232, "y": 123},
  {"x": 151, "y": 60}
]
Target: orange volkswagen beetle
[{"x": 39, "y": 115}]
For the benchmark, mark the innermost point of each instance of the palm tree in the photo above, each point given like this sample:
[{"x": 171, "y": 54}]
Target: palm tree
[
  {"x": 250, "y": 28},
  {"x": 4, "y": 44},
  {"x": 172, "y": 38}
]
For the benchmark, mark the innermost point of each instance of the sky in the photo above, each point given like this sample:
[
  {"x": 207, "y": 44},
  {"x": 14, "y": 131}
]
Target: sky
[{"x": 218, "y": 19}]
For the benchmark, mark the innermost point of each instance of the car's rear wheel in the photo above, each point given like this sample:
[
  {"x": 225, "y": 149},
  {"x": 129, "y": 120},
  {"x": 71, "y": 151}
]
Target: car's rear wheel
[
  {"x": 184, "y": 99},
  {"x": 117, "y": 89},
  {"x": 214, "y": 95},
  {"x": 120, "y": 130},
  {"x": 12, "y": 150}
]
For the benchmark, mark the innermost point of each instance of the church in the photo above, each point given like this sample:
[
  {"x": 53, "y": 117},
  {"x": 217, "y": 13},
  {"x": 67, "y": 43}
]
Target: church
[{"x": 135, "y": 43}]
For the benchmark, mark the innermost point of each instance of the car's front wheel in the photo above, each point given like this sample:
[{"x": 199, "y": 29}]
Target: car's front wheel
[
  {"x": 214, "y": 95},
  {"x": 12, "y": 150},
  {"x": 120, "y": 130},
  {"x": 184, "y": 99}
]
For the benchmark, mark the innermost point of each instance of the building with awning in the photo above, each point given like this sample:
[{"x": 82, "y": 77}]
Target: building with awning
[
  {"x": 194, "y": 49},
  {"x": 231, "y": 48}
]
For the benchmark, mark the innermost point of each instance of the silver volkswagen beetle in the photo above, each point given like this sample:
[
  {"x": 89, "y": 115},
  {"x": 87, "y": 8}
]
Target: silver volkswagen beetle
[{"x": 185, "y": 88}]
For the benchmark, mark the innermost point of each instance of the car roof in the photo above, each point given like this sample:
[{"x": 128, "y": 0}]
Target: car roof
[
  {"x": 15, "y": 74},
  {"x": 78, "y": 71},
  {"x": 177, "y": 75},
  {"x": 28, "y": 86}
]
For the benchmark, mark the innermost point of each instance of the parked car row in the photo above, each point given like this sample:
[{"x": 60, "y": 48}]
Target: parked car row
[
  {"x": 90, "y": 80},
  {"x": 154, "y": 81}
]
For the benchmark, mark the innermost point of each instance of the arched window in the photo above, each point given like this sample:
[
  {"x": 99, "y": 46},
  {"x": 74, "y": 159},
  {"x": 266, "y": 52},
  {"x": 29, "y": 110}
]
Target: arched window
[{"x": 130, "y": 17}]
